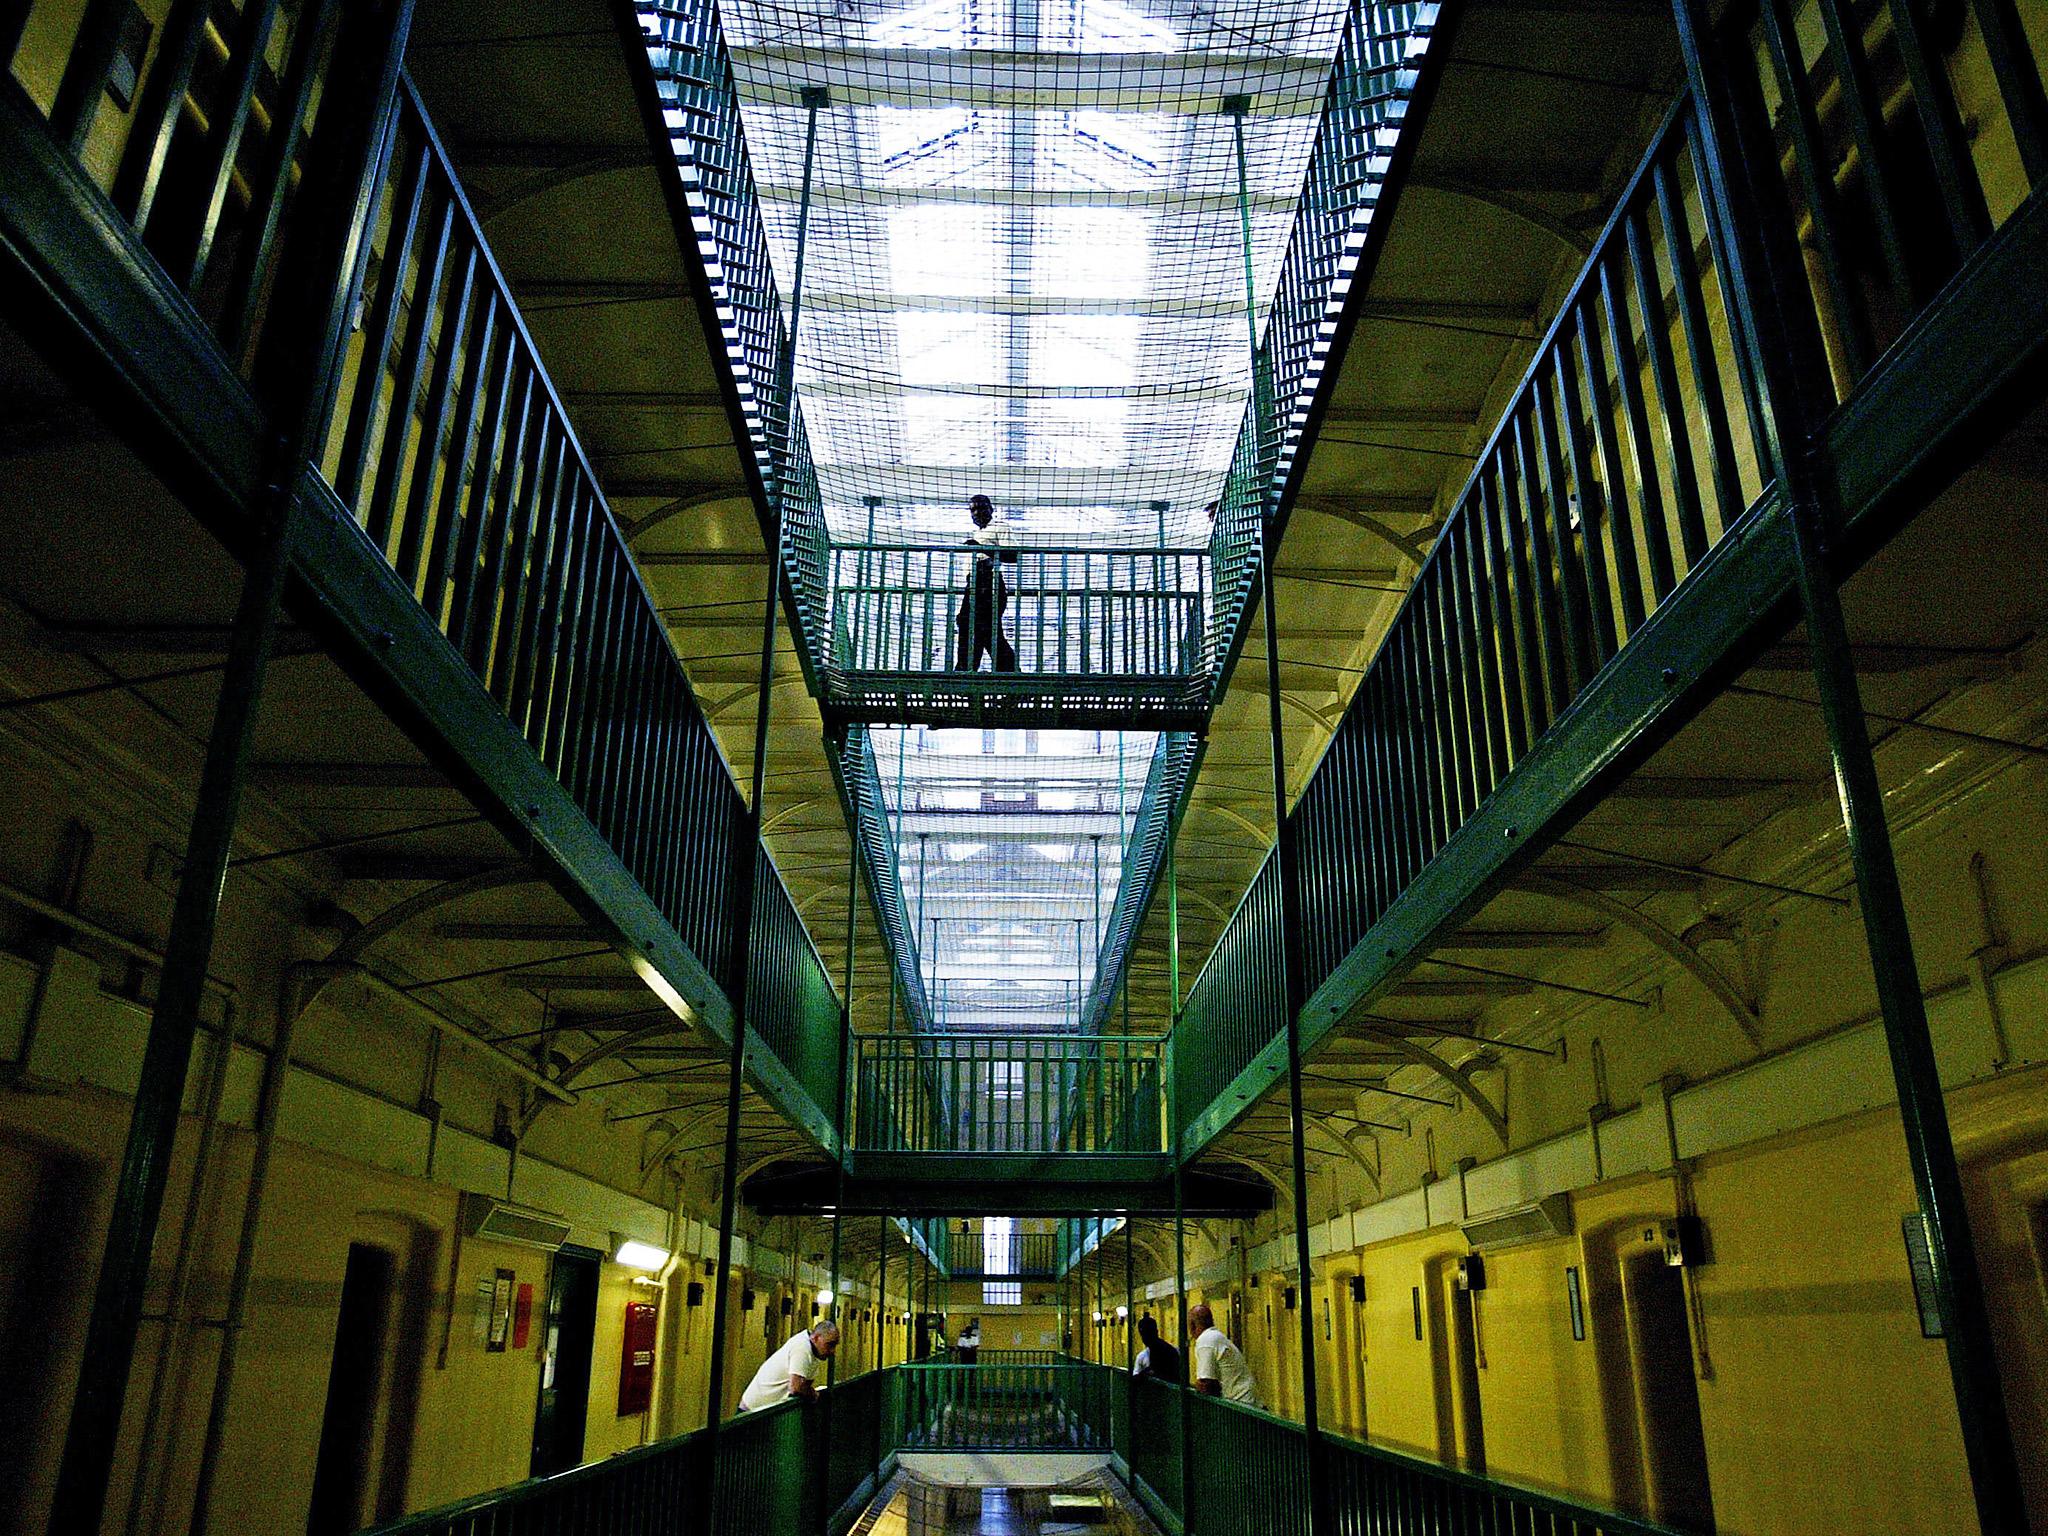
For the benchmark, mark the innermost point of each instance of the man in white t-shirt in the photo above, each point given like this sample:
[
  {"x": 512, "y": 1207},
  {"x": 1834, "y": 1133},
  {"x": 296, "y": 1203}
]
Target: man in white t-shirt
[
  {"x": 792, "y": 1369},
  {"x": 1220, "y": 1369}
]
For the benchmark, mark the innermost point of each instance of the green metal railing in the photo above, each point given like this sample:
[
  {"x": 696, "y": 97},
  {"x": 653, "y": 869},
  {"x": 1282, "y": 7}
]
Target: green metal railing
[
  {"x": 1247, "y": 1477},
  {"x": 1372, "y": 81},
  {"x": 1131, "y": 625},
  {"x": 1057, "y": 1405},
  {"x": 1636, "y": 445},
  {"x": 1629, "y": 452},
  {"x": 440, "y": 447},
  {"x": 766, "y": 1476},
  {"x": 971, "y": 1255},
  {"x": 1072, "y": 1094}
]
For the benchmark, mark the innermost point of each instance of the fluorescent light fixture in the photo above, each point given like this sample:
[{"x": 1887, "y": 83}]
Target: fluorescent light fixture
[{"x": 636, "y": 1254}]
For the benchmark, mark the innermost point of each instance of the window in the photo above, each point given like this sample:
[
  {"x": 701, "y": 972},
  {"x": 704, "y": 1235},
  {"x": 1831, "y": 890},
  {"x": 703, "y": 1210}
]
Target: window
[
  {"x": 1006, "y": 1080},
  {"x": 1002, "y": 1293},
  {"x": 999, "y": 1257}
]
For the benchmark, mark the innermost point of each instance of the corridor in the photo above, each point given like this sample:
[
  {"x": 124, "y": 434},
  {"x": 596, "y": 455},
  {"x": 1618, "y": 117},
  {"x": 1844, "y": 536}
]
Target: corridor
[{"x": 1189, "y": 767}]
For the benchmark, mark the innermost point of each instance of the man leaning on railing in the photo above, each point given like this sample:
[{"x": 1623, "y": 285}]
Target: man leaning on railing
[
  {"x": 1220, "y": 1369},
  {"x": 980, "y": 620},
  {"x": 792, "y": 1370}
]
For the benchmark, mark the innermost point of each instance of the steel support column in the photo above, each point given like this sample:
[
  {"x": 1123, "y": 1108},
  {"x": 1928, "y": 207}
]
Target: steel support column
[
  {"x": 1923, "y": 1112},
  {"x": 82, "y": 1476},
  {"x": 1762, "y": 262},
  {"x": 839, "y": 1123},
  {"x": 1130, "y": 1303},
  {"x": 750, "y": 852},
  {"x": 1292, "y": 960}
]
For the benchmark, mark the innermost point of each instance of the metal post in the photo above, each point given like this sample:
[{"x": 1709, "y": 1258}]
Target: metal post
[
  {"x": 1130, "y": 1303},
  {"x": 1292, "y": 960},
  {"x": 1187, "y": 1347},
  {"x": 749, "y": 847},
  {"x": 1758, "y": 272},
  {"x": 924, "y": 978},
  {"x": 80, "y": 1496},
  {"x": 840, "y": 1119},
  {"x": 1923, "y": 1112}
]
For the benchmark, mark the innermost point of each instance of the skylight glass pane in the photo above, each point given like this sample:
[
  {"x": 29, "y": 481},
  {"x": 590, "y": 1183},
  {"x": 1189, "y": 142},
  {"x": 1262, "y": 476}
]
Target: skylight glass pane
[{"x": 1025, "y": 278}]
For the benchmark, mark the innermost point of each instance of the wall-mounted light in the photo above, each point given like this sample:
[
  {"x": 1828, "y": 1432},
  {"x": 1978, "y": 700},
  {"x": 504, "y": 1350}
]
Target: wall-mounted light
[
  {"x": 1122, "y": 1313},
  {"x": 635, "y": 1253},
  {"x": 1098, "y": 1316},
  {"x": 825, "y": 1298}
]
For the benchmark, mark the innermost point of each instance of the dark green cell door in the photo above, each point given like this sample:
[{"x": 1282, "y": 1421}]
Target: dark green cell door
[{"x": 569, "y": 1328}]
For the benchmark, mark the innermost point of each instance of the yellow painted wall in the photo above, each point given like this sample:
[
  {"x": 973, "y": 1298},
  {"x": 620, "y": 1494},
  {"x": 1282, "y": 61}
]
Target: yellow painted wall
[{"x": 1826, "y": 1410}]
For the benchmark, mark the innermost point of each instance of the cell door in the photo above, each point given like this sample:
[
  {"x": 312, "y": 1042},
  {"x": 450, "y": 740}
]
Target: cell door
[
  {"x": 1674, "y": 1444},
  {"x": 570, "y": 1330},
  {"x": 348, "y": 1423}
]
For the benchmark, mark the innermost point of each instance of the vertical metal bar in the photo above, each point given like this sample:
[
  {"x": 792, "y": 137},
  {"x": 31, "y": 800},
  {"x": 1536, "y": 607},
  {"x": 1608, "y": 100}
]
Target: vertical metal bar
[
  {"x": 84, "y": 80},
  {"x": 1865, "y": 113},
  {"x": 272, "y": 183},
  {"x": 159, "y": 111},
  {"x": 1320, "y": 1513},
  {"x": 383, "y": 314},
  {"x": 457, "y": 322},
  {"x": 405, "y": 383},
  {"x": 2019, "y": 82},
  {"x": 1699, "y": 345},
  {"x": 1923, "y": 1113},
  {"x": 80, "y": 1495},
  {"x": 224, "y": 138},
  {"x": 1802, "y": 128},
  {"x": 1671, "y": 414},
  {"x": 1614, "y": 500},
  {"x": 1642, "y": 449},
  {"x": 747, "y": 859}
]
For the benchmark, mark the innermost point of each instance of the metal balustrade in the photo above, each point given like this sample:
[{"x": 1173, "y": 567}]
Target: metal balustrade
[
  {"x": 970, "y": 1255},
  {"x": 1637, "y": 443},
  {"x": 1062, "y": 1405},
  {"x": 1073, "y": 1094},
  {"x": 434, "y": 426},
  {"x": 1247, "y": 1475},
  {"x": 212, "y": 151},
  {"x": 1891, "y": 144},
  {"x": 1372, "y": 81},
  {"x": 1127, "y": 628},
  {"x": 1630, "y": 449}
]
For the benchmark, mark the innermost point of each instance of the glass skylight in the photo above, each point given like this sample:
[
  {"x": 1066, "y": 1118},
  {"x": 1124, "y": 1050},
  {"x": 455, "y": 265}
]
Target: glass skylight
[
  {"x": 1024, "y": 277},
  {"x": 1010, "y": 847},
  {"x": 1025, "y": 265}
]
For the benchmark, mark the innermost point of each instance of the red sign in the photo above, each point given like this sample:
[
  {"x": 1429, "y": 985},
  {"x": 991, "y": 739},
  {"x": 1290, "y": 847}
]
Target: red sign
[
  {"x": 636, "y": 1364},
  {"x": 522, "y": 1316}
]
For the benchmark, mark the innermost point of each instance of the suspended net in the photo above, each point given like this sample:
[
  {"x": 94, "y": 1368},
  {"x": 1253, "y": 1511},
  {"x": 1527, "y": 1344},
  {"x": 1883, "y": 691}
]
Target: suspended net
[
  {"x": 1024, "y": 267},
  {"x": 1009, "y": 849}
]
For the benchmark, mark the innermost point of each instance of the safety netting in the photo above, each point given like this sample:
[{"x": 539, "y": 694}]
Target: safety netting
[
  {"x": 1010, "y": 846},
  {"x": 1024, "y": 271}
]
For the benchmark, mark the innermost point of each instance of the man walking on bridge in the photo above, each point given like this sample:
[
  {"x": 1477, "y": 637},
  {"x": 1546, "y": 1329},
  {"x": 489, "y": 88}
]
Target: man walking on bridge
[{"x": 979, "y": 624}]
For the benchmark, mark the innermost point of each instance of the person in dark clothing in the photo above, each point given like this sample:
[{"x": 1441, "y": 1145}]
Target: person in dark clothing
[
  {"x": 1158, "y": 1359},
  {"x": 979, "y": 623}
]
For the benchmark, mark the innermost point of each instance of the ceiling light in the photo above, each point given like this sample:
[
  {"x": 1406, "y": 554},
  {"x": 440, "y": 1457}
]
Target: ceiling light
[{"x": 636, "y": 1254}]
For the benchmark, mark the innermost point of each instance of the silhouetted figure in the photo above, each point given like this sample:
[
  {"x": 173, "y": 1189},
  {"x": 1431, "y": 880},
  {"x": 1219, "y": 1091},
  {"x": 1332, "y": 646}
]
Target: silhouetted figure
[
  {"x": 1158, "y": 1359},
  {"x": 980, "y": 620}
]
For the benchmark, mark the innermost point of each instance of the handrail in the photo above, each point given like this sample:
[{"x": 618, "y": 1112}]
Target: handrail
[
  {"x": 1617, "y": 466},
  {"x": 1076, "y": 1095},
  {"x": 440, "y": 446},
  {"x": 1636, "y": 443}
]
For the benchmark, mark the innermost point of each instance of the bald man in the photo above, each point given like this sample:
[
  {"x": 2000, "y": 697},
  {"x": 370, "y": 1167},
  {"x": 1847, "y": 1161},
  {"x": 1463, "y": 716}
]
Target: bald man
[
  {"x": 789, "y": 1372},
  {"x": 1220, "y": 1369}
]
